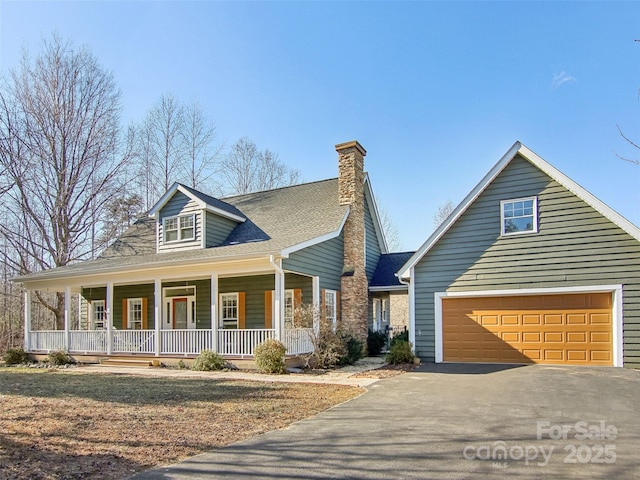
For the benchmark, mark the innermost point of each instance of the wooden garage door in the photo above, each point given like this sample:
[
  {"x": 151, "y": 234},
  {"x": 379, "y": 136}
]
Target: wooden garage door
[{"x": 571, "y": 329}]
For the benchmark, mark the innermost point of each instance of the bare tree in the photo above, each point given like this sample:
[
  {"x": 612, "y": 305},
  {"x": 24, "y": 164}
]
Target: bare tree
[
  {"x": 198, "y": 137},
  {"x": 120, "y": 213},
  {"x": 60, "y": 154},
  {"x": 442, "y": 213},
  {"x": 160, "y": 148},
  {"x": 245, "y": 169},
  {"x": 630, "y": 142}
]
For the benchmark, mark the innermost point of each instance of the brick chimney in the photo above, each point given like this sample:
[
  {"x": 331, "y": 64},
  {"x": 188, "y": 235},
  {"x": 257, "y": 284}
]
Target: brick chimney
[{"x": 354, "y": 301}]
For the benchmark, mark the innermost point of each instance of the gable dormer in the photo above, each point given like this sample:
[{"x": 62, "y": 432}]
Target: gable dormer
[{"x": 187, "y": 220}]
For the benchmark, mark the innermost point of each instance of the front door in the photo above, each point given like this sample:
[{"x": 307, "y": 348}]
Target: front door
[{"x": 180, "y": 313}]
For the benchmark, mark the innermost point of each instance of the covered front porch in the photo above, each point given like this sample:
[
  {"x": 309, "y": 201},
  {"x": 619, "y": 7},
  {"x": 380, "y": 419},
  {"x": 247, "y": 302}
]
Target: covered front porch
[{"x": 230, "y": 312}]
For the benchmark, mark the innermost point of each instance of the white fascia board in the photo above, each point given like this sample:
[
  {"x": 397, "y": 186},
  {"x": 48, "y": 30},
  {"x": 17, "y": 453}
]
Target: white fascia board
[
  {"x": 201, "y": 204},
  {"x": 314, "y": 241},
  {"x": 62, "y": 278},
  {"x": 224, "y": 213},
  {"x": 580, "y": 192},
  {"x": 545, "y": 167},
  {"x": 394, "y": 288},
  {"x": 404, "y": 272},
  {"x": 375, "y": 215},
  {"x": 164, "y": 199}
]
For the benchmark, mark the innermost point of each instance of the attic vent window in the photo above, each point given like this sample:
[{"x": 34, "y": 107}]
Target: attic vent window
[
  {"x": 178, "y": 228},
  {"x": 519, "y": 216}
]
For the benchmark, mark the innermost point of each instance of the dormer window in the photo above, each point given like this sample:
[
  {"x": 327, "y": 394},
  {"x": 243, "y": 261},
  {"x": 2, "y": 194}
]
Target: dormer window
[{"x": 179, "y": 228}]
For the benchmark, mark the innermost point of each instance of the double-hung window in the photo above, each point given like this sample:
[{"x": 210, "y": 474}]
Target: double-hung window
[
  {"x": 134, "y": 314},
  {"x": 229, "y": 310},
  {"x": 519, "y": 216},
  {"x": 99, "y": 314},
  {"x": 179, "y": 228},
  {"x": 330, "y": 306}
]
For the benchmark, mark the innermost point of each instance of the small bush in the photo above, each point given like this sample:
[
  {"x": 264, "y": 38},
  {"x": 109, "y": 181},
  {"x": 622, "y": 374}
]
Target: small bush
[
  {"x": 400, "y": 352},
  {"x": 376, "y": 342},
  {"x": 60, "y": 357},
  {"x": 353, "y": 350},
  {"x": 399, "y": 337},
  {"x": 182, "y": 365},
  {"x": 269, "y": 357},
  {"x": 15, "y": 356},
  {"x": 208, "y": 361}
]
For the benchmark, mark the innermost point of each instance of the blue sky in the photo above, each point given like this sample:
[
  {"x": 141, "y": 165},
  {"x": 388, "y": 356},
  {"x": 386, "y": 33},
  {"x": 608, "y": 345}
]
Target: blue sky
[{"x": 436, "y": 92}]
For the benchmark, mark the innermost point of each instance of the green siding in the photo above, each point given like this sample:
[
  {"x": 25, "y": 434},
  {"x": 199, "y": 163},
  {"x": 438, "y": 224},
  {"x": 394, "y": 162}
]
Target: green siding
[
  {"x": 253, "y": 286},
  {"x": 324, "y": 260},
  {"x": 218, "y": 229},
  {"x": 575, "y": 246},
  {"x": 373, "y": 248},
  {"x": 133, "y": 291},
  {"x": 180, "y": 204},
  {"x": 120, "y": 292}
]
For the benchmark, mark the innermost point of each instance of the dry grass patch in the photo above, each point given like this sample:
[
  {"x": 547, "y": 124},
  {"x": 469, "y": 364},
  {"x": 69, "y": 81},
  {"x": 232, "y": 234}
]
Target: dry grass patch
[{"x": 55, "y": 425}]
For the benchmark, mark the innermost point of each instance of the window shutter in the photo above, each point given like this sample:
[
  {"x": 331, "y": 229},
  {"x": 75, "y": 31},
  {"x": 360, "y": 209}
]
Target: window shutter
[
  {"x": 297, "y": 297},
  {"x": 145, "y": 305},
  {"x": 323, "y": 304},
  {"x": 268, "y": 309},
  {"x": 125, "y": 313},
  {"x": 241, "y": 310},
  {"x": 297, "y": 303}
]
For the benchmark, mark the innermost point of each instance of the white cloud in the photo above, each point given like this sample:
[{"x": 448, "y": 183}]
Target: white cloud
[{"x": 562, "y": 78}]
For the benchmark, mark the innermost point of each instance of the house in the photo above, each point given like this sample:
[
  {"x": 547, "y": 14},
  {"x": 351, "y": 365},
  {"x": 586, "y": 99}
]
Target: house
[
  {"x": 530, "y": 267},
  {"x": 226, "y": 274}
]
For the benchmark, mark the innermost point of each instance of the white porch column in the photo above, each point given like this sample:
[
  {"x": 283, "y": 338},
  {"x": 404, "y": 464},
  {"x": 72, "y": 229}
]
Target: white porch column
[
  {"x": 214, "y": 312},
  {"x": 157, "y": 313},
  {"x": 315, "y": 291},
  {"x": 67, "y": 318},
  {"x": 278, "y": 304},
  {"x": 27, "y": 320},
  {"x": 109, "y": 314}
]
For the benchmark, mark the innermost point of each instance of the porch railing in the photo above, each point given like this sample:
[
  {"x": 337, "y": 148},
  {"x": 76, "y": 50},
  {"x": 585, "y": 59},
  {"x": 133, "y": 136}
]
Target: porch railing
[
  {"x": 172, "y": 342},
  {"x": 184, "y": 342},
  {"x": 242, "y": 342},
  {"x": 48, "y": 340},
  {"x": 298, "y": 340},
  {"x": 88, "y": 341},
  {"x": 134, "y": 341}
]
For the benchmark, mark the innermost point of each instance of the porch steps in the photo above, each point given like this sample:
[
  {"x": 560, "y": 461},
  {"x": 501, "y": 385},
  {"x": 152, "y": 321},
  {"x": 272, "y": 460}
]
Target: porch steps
[{"x": 128, "y": 362}]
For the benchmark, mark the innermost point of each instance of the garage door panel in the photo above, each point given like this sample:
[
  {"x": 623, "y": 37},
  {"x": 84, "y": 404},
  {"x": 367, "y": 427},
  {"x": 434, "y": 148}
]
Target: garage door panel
[
  {"x": 554, "y": 337},
  {"x": 553, "y": 319},
  {"x": 572, "y": 328}
]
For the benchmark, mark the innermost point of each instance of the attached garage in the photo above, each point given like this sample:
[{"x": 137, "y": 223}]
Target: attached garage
[
  {"x": 529, "y": 268},
  {"x": 575, "y": 329}
]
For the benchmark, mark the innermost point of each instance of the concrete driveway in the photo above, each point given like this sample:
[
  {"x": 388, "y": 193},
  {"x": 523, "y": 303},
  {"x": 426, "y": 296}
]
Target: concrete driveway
[{"x": 452, "y": 421}]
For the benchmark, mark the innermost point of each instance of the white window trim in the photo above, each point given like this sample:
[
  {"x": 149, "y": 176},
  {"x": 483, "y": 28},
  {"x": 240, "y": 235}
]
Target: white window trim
[
  {"x": 221, "y": 311},
  {"x": 617, "y": 311},
  {"x": 535, "y": 216},
  {"x": 130, "y": 302},
  {"x": 167, "y": 301},
  {"x": 179, "y": 239},
  {"x": 94, "y": 304},
  {"x": 334, "y": 312}
]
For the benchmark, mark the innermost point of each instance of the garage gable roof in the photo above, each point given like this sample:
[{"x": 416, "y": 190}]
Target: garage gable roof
[{"x": 519, "y": 149}]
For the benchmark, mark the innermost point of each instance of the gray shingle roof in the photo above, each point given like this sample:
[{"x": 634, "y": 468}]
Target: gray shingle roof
[
  {"x": 388, "y": 265},
  {"x": 214, "y": 202},
  {"x": 276, "y": 219}
]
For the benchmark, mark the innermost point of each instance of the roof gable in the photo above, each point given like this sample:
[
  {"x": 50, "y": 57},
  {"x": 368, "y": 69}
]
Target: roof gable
[
  {"x": 518, "y": 149},
  {"x": 204, "y": 201}
]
